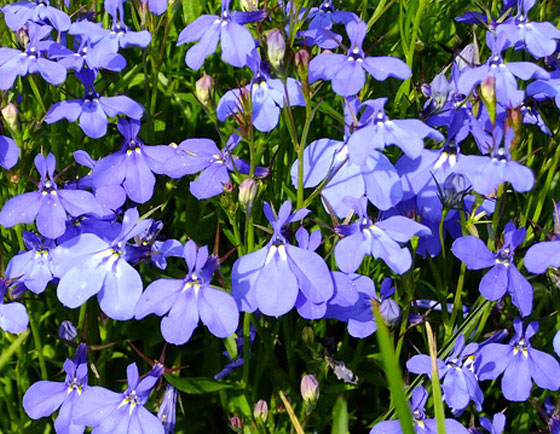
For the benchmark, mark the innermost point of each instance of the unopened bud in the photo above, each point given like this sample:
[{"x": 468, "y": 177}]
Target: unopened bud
[
  {"x": 308, "y": 335},
  {"x": 67, "y": 331},
  {"x": 247, "y": 193},
  {"x": 302, "y": 63},
  {"x": 309, "y": 388},
  {"x": 10, "y": 115},
  {"x": 454, "y": 188},
  {"x": 167, "y": 409},
  {"x": 249, "y": 5},
  {"x": 488, "y": 96},
  {"x": 261, "y": 410},
  {"x": 22, "y": 37},
  {"x": 236, "y": 424},
  {"x": 203, "y": 89},
  {"x": 276, "y": 47}
]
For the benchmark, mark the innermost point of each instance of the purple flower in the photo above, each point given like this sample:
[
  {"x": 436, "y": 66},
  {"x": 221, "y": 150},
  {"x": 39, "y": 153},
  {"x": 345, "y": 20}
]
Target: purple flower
[
  {"x": 376, "y": 131},
  {"x": 202, "y": 155},
  {"x": 422, "y": 425},
  {"x": 15, "y": 62},
  {"x": 88, "y": 265},
  {"x": 267, "y": 95},
  {"x": 503, "y": 73},
  {"x": 347, "y": 72},
  {"x": 34, "y": 267},
  {"x": 541, "y": 89},
  {"x": 496, "y": 426},
  {"x": 325, "y": 16},
  {"x": 546, "y": 254},
  {"x": 43, "y": 398},
  {"x": 237, "y": 41},
  {"x": 133, "y": 167},
  {"x": 381, "y": 239},
  {"x": 49, "y": 205},
  {"x": 119, "y": 413},
  {"x": 504, "y": 275},
  {"x": 520, "y": 363},
  {"x": 9, "y": 152},
  {"x": 537, "y": 38},
  {"x": 92, "y": 109},
  {"x": 460, "y": 384},
  {"x": 167, "y": 409},
  {"x": 13, "y": 316},
  {"x": 18, "y": 14},
  {"x": 190, "y": 299},
  {"x": 156, "y": 251},
  {"x": 271, "y": 278}
]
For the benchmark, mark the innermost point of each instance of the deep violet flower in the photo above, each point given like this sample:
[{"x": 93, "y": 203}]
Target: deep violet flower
[
  {"x": 503, "y": 275},
  {"x": 93, "y": 109},
  {"x": 422, "y": 425},
  {"x": 190, "y": 299},
  {"x": 271, "y": 278},
  {"x": 237, "y": 41},
  {"x": 49, "y": 205},
  {"x": 347, "y": 72},
  {"x": 43, "y": 398},
  {"x": 88, "y": 265},
  {"x": 521, "y": 364},
  {"x": 381, "y": 239},
  {"x": 120, "y": 413}
]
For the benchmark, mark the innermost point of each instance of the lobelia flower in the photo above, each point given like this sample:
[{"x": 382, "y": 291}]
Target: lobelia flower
[
  {"x": 234, "y": 364},
  {"x": 49, "y": 206},
  {"x": 237, "y": 41},
  {"x": 521, "y": 364},
  {"x": 460, "y": 384},
  {"x": 376, "y": 131},
  {"x": 43, "y": 398},
  {"x": 504, "y": 275},
  {"x": 93, "y": 109},
  {"x": 9, "y": 152},
  {"x": 546, "y": 254},
  {"x": 327, "y": 160},
  {"x": 156, "y": 251},
  {"x": 67, "y": 331},
  {"x": 539, "y": 39},
  {"x": 357, "y": 310},
  {"x": 267, "y": 96},
  {"x": 34, "y": 267},
  {"x": 13, "y": 316},
  {"x": 541, "y": 89},
  {"x": 19, "y": 14},
  {"x": 496, "y": 426},
  {"x": 188, "y": 300},
  {"x": 202, "y": 155},
  {"x": 347, "y": 71},
  {"x": 271, "y": 278},
  {"x": 381, "y": 239},
  {"x": 120, "y": 413},
  {"x": 89, "y": 265},
  {"x": 131, "y": 168},
  {"x": 503, "y": 73},
  {"x": 167, "y": 409},
  {"x": 422, "y": 425},
  {"x": 14, "y": 63}
]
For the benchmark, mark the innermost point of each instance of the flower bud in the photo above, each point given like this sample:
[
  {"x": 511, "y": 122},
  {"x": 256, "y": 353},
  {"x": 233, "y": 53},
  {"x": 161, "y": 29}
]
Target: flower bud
[
  {"x": 261, "y": 410},
  {"x": 236, "y": 424},
  {"x": 455, "y": 187},
  {"x": 22, "y": 37},
  {"x": 276, "y": 47},
  {"x": 247, "y": 193},
  {"x": 302, "y": 63},
  {"x": 308, "y": 335},
  {"x": 488, "y": 96},
  {"x": 67, "y": 331},
  {"x": 309, "y": 388},
  {"x": 249, "y": 5},
  {"x": 203, "y": 89},
  {"x": 10, "y": 115},
  {"x": 167, "y": 409}
]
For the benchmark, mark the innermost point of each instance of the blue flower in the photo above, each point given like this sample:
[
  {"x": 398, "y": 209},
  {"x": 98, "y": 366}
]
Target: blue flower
[
  {"x": 347, "y": 72},
  {"x": 521, "y": 364},
  {"x": 19, "y": 14},
  {"x": 120, "y": 413},
  {"x": 504, "y": 275},
  {"x": 190, "y": 299},
  {"x": 13, "y": 316},
  {"x": 271, "y": 278},
  {"x": 237, "y": 41},
  {"x": 43, "y": 398},
  {"x": 9, "y": 152},
  {"x": 49, "y": 205},
  {"x": 89, "y": 265}
]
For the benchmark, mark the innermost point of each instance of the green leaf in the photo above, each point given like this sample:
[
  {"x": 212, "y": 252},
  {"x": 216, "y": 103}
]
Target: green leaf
[
  {"x": 340, "y": 416},
  {"x": 394, "y": 376},
  {"x": 197, "y": 385}
]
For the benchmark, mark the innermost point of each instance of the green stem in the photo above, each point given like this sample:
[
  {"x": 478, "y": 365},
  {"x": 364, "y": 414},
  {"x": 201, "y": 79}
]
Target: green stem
[
  {"x": 246, "y": 347},
  {"x": 34, "y": 323}
]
